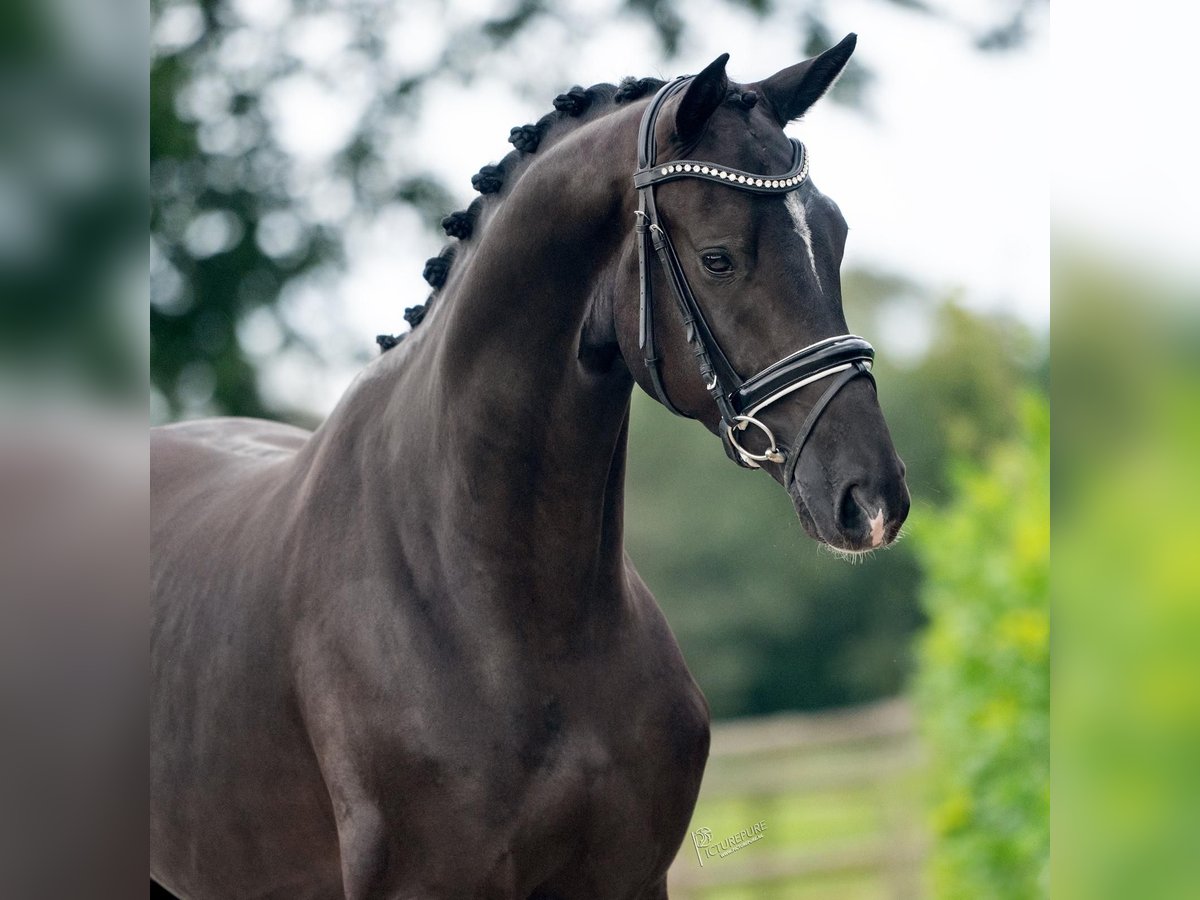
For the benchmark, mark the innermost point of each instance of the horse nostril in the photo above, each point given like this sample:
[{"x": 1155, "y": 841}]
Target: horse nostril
[
  {"x": 850, "y": 513},
  {"x": 863, "y": 514}
]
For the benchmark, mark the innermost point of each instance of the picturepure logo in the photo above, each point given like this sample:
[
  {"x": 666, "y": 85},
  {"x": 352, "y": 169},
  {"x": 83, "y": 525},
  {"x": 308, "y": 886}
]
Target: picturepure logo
[{"x": 706, "y": 848}]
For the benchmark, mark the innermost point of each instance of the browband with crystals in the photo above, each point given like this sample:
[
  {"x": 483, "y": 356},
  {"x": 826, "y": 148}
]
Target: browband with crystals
[{"x": 747, "y": 181}]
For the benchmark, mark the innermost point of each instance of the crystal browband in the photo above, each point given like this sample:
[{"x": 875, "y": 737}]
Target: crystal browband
[{"x": 747, "y": 181}]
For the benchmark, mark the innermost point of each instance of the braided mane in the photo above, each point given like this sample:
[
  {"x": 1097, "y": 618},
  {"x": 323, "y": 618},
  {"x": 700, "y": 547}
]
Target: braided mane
[{"x": 571, "y": 109}]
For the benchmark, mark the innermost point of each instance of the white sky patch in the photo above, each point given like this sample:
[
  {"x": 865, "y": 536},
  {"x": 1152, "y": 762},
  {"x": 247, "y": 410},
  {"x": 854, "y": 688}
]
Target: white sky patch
[
  {"x": 795, "y": 208},
  {"x": 266, "y": 14},
  {"x": 313, "y": 120},
  {"x": 1124, "y": 148},
  {"x": 945, "y": 179}
]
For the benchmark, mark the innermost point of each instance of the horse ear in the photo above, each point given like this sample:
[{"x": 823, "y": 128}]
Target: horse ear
[
  {"x": 792, "y": 91},
  {"x": 701, "y": 99}
]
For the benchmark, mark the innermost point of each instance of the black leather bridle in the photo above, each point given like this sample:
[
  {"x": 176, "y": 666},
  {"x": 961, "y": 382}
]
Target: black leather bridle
[{"x": 738, "y": 399}]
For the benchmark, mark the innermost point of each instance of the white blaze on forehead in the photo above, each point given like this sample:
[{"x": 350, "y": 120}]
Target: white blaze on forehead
[
  {"x": 877, "y": 529},
  {"x": 795, "y": 208}
]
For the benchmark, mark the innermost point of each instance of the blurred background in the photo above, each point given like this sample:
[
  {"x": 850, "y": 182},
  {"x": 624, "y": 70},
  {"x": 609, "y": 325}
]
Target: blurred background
[{"x": 888, "y": 720}]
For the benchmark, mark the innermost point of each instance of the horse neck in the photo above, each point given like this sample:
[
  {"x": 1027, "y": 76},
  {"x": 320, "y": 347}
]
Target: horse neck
[{"x": 512, "y": 449}]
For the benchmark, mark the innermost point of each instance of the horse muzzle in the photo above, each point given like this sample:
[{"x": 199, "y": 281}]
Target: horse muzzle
[{"x": 855, "y": 514}]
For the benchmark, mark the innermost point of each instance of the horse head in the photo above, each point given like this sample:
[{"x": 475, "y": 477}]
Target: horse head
[{"x": 736, "y": 258}]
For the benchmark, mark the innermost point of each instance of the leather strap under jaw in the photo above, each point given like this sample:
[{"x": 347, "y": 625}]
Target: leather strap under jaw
[{"x": 738, "y": 400}]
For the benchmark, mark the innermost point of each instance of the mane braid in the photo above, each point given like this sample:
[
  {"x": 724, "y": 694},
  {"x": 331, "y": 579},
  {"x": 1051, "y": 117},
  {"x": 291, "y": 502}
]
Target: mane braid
[{"x": 572, "y": 108}]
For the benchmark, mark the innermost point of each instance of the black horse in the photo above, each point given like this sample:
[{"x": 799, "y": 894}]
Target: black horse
[{"x": 405, "y": 655}]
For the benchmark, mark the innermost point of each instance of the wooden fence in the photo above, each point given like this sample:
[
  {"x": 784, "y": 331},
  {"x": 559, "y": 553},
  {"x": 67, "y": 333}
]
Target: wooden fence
[{"x": 839, "y": 798}]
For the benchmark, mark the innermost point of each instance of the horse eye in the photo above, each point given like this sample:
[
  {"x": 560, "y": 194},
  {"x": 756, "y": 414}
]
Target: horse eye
[{"x": 717, "y": 263}]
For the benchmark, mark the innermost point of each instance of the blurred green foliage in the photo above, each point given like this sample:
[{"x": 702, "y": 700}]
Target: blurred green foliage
[
  {"x": 1126, "y": 581},
  {"x": 72, "y": 199},
  {"x": 984, "y": 680}
]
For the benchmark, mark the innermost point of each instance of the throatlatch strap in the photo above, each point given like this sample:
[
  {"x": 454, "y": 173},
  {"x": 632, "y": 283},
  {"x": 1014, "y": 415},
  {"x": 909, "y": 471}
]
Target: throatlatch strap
[{"x": 646, "y": 311}]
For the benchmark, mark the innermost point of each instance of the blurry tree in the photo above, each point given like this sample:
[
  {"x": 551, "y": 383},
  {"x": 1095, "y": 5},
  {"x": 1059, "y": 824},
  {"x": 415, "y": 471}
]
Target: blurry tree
[
  {"x": 72, "y": 196},
  {"x": 969, "y": 383},
  {"x": 234, "y": 220},
  {"x": 984, "y": 682}
]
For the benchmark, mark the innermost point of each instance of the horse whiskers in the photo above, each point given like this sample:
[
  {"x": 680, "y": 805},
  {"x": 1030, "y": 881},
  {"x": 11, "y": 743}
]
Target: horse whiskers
[{"x": 855, "y": 557}]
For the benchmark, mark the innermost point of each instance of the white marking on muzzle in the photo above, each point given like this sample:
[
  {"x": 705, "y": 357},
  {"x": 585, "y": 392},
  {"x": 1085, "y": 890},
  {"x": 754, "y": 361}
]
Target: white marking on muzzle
[
  {"x": 795, "y": 208},
  {"x": 877, "y": 529}
]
